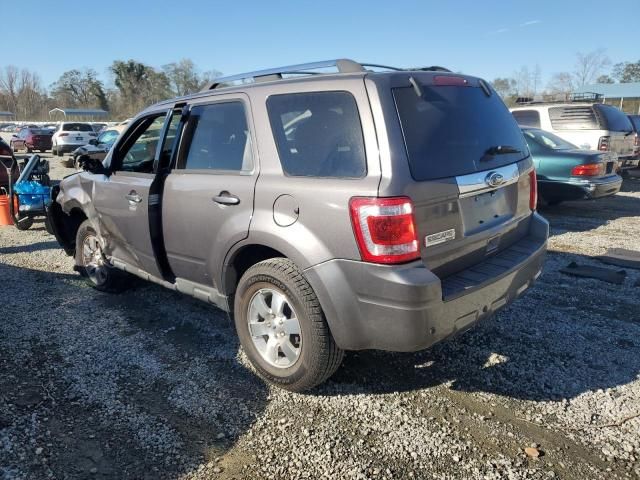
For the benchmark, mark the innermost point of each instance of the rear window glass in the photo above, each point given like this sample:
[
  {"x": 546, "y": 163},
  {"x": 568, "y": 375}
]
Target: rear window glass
[
  {"x": 548, "y": 140},
  {"x": 40, "y": 132},
  {"x": 77, "y": 127},
  {"x": 613, "y": 119},
  {"x": 579, "y": 117},
  {"x": 451, "y": 131},
  {"x": 527, "y": 118},
  {"x": 318, "y": 134}
]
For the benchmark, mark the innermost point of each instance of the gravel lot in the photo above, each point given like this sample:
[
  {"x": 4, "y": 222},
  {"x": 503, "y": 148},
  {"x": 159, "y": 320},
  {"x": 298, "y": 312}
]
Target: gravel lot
[{"x": 151, "y": 384}]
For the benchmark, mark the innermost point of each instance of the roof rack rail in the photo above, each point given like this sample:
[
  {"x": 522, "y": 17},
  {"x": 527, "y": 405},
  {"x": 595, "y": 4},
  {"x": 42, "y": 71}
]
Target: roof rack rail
[
  {"x": 343, "y": 65},
  {"x": 586, "y": 97}
]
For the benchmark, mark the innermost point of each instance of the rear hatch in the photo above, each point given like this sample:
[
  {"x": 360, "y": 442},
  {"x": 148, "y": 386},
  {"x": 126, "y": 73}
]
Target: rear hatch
[
  {"x": 41, "y": 137},
  {"x": 620, "y": 130},
  {"x": 78, "y": 133},
  {"x": 470, "y": 168}
]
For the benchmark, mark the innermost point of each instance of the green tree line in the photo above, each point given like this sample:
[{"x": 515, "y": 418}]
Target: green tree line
[{"x": 134, "y": 86}]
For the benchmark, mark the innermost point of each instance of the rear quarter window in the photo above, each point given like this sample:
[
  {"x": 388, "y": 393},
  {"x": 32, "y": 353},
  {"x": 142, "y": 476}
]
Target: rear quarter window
[
  {"x": 578, "y": 117},
  {"x": 318, "y": 134}
]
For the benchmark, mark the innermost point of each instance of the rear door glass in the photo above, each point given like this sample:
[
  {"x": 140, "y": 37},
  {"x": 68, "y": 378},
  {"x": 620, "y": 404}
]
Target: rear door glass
[
  {"x": 451, "y": 130},
  {"x": 318, "y": 134}
]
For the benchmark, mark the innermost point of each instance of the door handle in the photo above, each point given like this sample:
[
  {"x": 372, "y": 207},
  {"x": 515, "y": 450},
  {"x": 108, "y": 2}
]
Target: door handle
[
  {"x": 133, "y": 197},
  {"x": 225, "y": 198}
]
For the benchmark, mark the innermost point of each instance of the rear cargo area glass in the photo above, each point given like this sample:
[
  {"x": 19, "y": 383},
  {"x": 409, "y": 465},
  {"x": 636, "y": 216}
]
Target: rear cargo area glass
[{"x": 449, "y": 129}]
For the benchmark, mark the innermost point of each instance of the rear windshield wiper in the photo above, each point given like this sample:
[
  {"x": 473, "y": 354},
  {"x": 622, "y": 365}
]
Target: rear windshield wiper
[{"x": 501, "y": 150}]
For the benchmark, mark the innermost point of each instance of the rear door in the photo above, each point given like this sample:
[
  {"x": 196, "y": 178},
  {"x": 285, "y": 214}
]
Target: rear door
[
  {"x": 122, "y": 201},
  {"x": 469, "y": 169},
  {"x": 208, "y": 196}
]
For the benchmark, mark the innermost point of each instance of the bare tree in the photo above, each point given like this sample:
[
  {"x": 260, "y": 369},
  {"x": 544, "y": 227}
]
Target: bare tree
[
  {"x": 589, "y": 66},
  {"x": 561, "y": 83},
  {"x": 9, "y": 86}
]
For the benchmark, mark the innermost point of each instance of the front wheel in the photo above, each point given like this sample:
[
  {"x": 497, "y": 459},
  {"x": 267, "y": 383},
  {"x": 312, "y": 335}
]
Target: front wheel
[
  {"x": 282, "y": 328},
  {"x": 93, "y": 265}
]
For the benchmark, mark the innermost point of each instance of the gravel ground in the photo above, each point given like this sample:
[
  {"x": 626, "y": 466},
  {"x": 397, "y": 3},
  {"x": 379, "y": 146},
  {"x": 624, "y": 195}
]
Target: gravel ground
[{"x": 151, "y": 384}]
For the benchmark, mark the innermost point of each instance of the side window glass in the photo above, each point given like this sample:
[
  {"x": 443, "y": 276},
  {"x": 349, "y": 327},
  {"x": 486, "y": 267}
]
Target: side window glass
[
  {"x": 318, "y": 134},
  {"x": 169, "y": 139},
  {"x": 218, "y": 138},
  {"x": 140, "y": 155},
  {"x": 527, "y": 118}
]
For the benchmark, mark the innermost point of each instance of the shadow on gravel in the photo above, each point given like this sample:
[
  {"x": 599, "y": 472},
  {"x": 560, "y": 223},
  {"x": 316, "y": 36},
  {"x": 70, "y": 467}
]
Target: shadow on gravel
[
  {"x": 565, "y": 337},
  {"x": 33, "y": 247},
  {"x": 142, "y": 385},
  {"x": 582, "y": 215}
]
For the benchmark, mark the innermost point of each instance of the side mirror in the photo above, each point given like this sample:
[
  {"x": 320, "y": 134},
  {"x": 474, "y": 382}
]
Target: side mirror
[{"x": 93, "y": 141}]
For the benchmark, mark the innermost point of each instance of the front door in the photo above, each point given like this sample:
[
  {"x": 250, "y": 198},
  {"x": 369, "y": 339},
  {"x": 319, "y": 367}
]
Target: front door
[
  {"x": 122, "y": 200},
  {"x": 208, "y": 197}
]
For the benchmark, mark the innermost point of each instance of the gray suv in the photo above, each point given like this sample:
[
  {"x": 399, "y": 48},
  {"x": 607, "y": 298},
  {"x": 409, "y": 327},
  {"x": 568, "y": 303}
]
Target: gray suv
[{"x": 372, "y": 208}]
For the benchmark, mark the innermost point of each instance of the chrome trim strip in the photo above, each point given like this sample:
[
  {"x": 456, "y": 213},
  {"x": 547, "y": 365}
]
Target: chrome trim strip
[{"x": 475, "y": 183}]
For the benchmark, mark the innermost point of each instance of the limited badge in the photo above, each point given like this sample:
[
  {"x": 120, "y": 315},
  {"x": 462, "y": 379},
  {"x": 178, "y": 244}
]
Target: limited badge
[{"x": 440, "y": 237}]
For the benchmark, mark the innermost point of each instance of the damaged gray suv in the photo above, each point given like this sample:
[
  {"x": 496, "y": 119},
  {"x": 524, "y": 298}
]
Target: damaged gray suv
[{"x": 371, "y": 208}]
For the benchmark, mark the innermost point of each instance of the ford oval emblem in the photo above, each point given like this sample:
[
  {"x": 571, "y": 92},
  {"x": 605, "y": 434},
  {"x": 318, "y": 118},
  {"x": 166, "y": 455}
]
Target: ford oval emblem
[{"x": 494, "y": 179}]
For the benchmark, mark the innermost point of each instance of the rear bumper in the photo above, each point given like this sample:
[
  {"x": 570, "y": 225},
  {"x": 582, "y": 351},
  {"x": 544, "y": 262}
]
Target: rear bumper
[
  {"x": 628, "y": 163},
  {"x": 577, "y": 190},
  {"x": 68, "y": 147},
  {"x": 408, "y": 308}
]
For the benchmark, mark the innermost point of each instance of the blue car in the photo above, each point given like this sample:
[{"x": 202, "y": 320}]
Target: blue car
[{"x": 567, "y": 173}]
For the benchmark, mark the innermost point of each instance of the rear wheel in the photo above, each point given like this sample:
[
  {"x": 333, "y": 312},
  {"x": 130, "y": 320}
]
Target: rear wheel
[
  {"x": 24, "y": 223},
  {"x": 93, "y": 265},
  {"x": 27, "y": 149},
  {"x": 282, "y": 328}
]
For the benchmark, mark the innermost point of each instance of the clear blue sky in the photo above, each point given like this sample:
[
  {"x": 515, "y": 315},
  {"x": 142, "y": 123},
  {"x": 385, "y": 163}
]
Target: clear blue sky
[{"x": 484, "y": 38}]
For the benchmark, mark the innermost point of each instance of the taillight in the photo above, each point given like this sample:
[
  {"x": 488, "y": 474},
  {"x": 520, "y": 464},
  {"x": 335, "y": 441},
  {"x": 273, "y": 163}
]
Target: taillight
[
  {"x": 385, "y": 229},
  {"x": 533, "y": 190},
  {"x": 588, "y": 170},
  {"x": 603, "y": 144},
  {"x": 63, "y": 135},
  {"x": 636, "y": 142}
]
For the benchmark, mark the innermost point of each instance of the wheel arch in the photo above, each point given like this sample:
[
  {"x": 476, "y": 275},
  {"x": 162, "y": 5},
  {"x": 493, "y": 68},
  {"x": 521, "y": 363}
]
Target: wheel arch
[{"x": 240, "y": 259}]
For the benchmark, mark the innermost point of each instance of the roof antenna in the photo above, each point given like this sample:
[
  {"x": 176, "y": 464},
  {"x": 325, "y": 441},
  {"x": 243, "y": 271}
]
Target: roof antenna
[{"x": 416, "y": 87}]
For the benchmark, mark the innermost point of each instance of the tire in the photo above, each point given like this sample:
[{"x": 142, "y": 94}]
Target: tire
[
  {"x": 54, "y": 151},
  {"x": 27, "y": 149},
  {"x": 99, "y": 274},
  {"x": 317, "y": 355},
  {"x": 24, "y": 224}
]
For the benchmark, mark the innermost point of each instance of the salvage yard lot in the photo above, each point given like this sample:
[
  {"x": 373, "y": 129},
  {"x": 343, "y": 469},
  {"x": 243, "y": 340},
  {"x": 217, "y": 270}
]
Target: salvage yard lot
[{"x": 151, "y": 384}]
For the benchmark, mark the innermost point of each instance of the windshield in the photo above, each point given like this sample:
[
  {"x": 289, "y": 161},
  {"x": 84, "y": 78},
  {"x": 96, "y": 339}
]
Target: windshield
[
  {"x": 77, "y": 127},
  {"x": 548, "y": 140},
  {"x": 108, "y": 136},
  {"x": 456, "y": 130}
]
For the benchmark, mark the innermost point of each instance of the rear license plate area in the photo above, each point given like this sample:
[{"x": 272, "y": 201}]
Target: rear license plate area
[{"x": 483, "y": 211}]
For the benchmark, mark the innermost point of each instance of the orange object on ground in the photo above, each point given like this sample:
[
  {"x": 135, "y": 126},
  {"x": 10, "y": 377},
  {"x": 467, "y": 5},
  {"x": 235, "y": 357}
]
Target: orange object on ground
[{"x": 5, "y": 214}]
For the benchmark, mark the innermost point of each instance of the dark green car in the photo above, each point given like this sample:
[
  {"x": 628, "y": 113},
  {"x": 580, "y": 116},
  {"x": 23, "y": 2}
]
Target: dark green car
[{"x": 567, "y": 173}]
